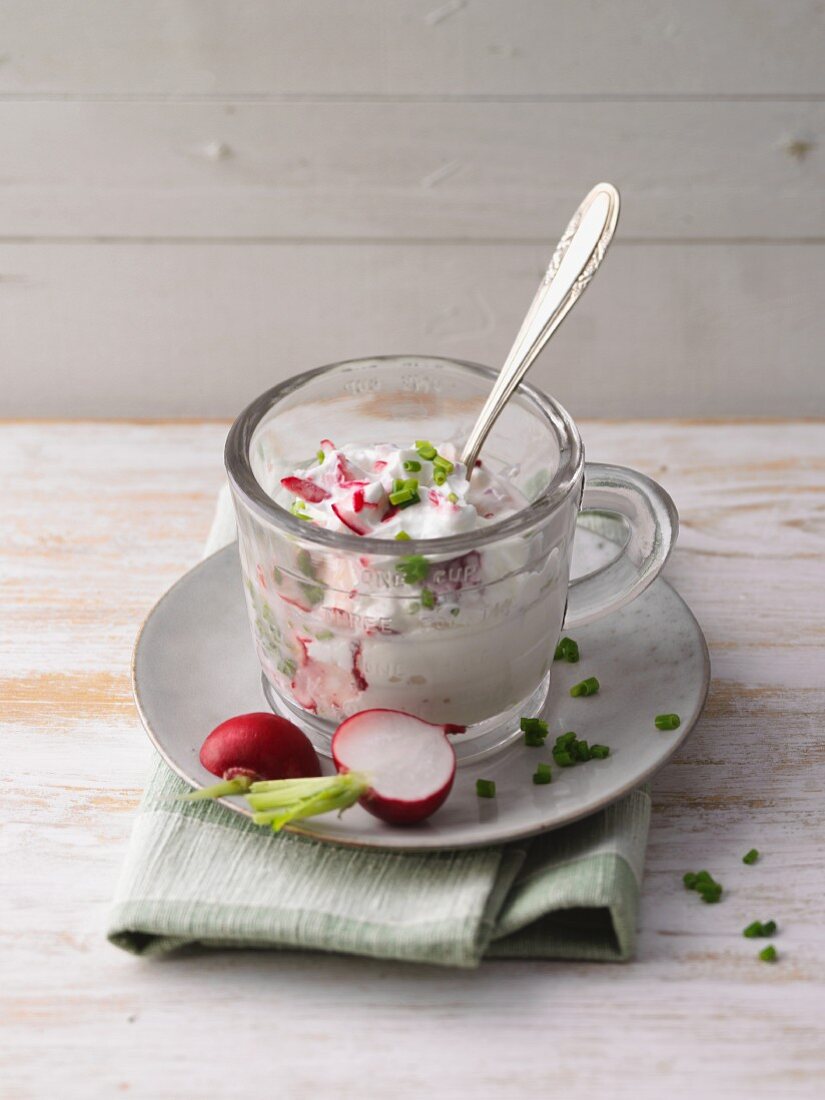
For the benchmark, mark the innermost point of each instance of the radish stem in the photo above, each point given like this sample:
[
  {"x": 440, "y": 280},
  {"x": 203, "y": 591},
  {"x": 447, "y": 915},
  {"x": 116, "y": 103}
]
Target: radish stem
[
  {"x": 289, "y": 800},
  {"x": 239, "y": 785}
]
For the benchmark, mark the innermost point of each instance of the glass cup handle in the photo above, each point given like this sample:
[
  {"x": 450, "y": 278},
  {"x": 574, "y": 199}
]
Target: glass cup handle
[{"x": 654, "y": 525}]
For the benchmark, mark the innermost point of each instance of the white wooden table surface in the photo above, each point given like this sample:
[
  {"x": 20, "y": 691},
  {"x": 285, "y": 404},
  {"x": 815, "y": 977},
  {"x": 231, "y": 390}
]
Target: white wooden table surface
[{"x": 98, "y": 519}]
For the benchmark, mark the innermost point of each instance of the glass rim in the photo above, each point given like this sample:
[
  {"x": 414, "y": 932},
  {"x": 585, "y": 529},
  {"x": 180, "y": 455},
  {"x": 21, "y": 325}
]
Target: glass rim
[{"x": 247, "y": 488}]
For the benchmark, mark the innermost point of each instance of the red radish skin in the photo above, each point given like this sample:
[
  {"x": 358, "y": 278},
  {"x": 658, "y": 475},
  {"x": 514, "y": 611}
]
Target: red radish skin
[
  {"x": 411, "y": 763},
  {"x": 259, "y": 746}
]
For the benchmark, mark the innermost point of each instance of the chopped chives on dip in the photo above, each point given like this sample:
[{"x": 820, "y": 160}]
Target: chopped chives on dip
[
  {"x": 411, "y": 465},
  {"x": 427, "y": 598},
  {"x": 485, "y": 788},
  {"x": 543, "y": 774},
  {"x": 413, "y": 568},
  {"x": 425, "y": 449},
  {"x": 750, "y": 857},
  {"x": 587, "y": 687},
  {"x": 667, "y": 721},
  {"x": 402, "y": 536}
]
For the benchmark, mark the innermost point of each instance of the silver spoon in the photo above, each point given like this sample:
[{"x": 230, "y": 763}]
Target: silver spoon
[{"x": 575, "y": 261}]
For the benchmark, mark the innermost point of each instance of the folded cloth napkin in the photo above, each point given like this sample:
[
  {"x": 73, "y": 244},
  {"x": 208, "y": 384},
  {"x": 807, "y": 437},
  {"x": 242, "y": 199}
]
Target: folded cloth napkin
[{"x": 198, "y": 874}]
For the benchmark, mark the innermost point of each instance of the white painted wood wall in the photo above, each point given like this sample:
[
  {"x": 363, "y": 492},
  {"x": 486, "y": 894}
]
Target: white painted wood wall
[{"x": 200, "y": 197}]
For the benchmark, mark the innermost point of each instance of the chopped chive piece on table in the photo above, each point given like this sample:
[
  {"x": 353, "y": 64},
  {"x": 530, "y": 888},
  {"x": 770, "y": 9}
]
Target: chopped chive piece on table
[
  {"x": 704, "y": 884},
  {"x": 485, "y": 788},
  {"x": 542, "y": 774},
  {"x": 758, "y": 929},
  {"x": 567, "y": 650},
  {"x": 768, "y": 954},
  {"x": 587, "y": 687},
  {"x": 667, "y": 721},
  {"x": 750, "y": 857}
]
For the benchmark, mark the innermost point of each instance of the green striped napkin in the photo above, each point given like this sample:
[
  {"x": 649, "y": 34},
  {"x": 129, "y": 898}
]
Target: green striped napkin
[{"x": 197, "y": 874}]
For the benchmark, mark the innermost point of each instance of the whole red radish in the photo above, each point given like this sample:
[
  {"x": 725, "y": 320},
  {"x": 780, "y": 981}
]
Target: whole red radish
[
  {"x": 409, "y": 762},
  {"x": 259, "y": 746}
]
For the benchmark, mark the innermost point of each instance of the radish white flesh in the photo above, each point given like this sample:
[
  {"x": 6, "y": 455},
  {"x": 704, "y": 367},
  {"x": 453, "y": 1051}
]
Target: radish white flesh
[{"x": 410, "y": 763}]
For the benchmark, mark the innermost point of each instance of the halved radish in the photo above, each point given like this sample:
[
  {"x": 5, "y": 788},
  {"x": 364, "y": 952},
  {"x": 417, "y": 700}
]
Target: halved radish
[
  {"x": 397, "y": 766},
  {"x": 409, "y": 762}
]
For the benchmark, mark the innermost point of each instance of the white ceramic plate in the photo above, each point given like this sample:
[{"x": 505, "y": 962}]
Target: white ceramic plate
[{"x": 195, "y": 666}]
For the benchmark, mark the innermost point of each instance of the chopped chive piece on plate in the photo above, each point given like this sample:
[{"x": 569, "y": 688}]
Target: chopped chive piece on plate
[
  {"x": 564, "y": 759},
  {"x": 768, "y": 954},
  {"x": 485, "y": 788},
  {"x": 567, "y": 650},
  {"x": 543, "y": 774},
  {"x": 535, "y": 725},
  {"x": 587, "y": 687},
  {"x": 667, "y": 721},
  {"x": 599, "y": 752}
]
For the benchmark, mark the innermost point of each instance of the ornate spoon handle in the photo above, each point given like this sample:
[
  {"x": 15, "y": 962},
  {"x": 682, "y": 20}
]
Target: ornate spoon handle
[{"x": 575, "y": 261}]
